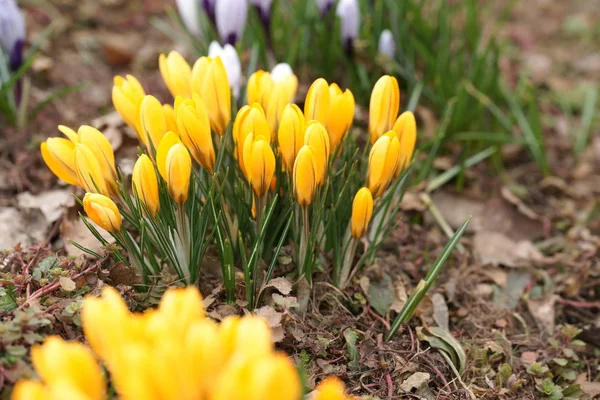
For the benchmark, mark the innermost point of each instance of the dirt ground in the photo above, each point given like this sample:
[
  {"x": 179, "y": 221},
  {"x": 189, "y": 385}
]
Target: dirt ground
[{"x": 528, "y": 273}]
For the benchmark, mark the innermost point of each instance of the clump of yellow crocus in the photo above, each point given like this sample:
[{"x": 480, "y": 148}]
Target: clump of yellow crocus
[
  {"x": 176, "y": 73},
  {"x": 153, "y": 123},
  {"x": 406, "y": 130},
  {"x": 145, "y": 184},
  {"x": 340, "y": 114},
  {"x": 383, "y": 162},
  {"x": 384, "y": 106},
  {"x": 58, "y": 156},
  {"x": 316, "y": 104},
  {"x": 362, "y": 210},
  {"x": 127, "y": 95},
  {"x": 175, "y": 166},
  {"x": 88, "y": 170},
  {"x": 209, "y": 80},
  {"x": 103, "y": 211},
  {"x": 194, "y": 128}
]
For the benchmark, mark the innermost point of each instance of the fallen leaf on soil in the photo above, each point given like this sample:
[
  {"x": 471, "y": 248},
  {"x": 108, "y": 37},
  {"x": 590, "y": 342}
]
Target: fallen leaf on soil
[
  {"x": 51, "y": 203},
  {"x": 401, "y": 296},
  {"x": 591, "y": 388},
  {"x": 440, "y": 311},
  {"x": 509, "y": 196},
  {"x": 76, "y": 231},
  {"x": 497, "y": 249},
  {"x": 528, "y": 357},
  {"x": 543, "y": 312},
  {"x": 444, "y": 341},
  {"x": 67, "y": 284},
  {"x": 273, "y": 318},
  {"x": 27, "y": 227},
  {"x": 380, "y": 293},
  {"x": 510, "y": 295},
  {"x": 282, "y": 284},
  {"x": 415, "y": 382}
]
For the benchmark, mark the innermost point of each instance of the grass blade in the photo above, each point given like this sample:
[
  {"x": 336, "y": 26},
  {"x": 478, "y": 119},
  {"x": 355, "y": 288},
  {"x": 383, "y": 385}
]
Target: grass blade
[
  {"x": 581, "y": 140},
  {"x": 420, "y": 291}
]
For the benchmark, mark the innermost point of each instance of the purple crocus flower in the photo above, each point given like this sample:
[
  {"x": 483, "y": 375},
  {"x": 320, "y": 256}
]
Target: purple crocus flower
[
  {"x": 209, "y": 8},
  {"x": 12, "y": 32},
  {"x": 231, "y": 16},
  {"x": 264, "y": 11},
  {"x": 324, "y": 6}
]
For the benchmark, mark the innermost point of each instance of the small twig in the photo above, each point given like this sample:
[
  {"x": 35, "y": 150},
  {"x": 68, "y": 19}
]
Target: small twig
[
  {"x": 579, "y": 304},
  {"x": 380, "y": 319},
  {"x": 390, "y": 385},
  {"x": 28, "y": 268},
  {"x": 439, "y": 218}
]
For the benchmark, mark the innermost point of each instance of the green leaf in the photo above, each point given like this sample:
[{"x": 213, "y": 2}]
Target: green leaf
[
  {"x": 351, "y": 338},
  {"x": 444, "y": 335},
  {"x": 43, "y": 267},
  {"x": 561, "y": 361},
  {"x": 8, "y": 300}
]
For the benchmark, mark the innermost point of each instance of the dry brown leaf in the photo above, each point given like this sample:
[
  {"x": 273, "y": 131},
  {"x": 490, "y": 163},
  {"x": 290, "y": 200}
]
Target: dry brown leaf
[
  {"x": 73, "y": 229},
  {"x": 543, "y": 312},
  {"x": 51, "y": 203},
  {"x": 496, "y": 249},
  {"x": 27, "y": 227}
]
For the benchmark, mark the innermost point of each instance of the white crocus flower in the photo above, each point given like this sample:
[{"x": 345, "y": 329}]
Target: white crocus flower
[
  {"x": 188, "y": 10},
  {"x": 349, "y": 13},
  {"x": 387, "y": 45},
  {"x": 280, "y": 72},
  {"x": 12, "y": 32},
  {"x": 231, "y": 18},
  {"x": 232, "y": 64}
]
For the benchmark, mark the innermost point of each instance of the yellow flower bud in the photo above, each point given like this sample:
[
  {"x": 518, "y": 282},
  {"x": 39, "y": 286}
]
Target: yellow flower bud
[
  {"x": 259, "y": 88},
  {"x": 362, "y": 210},
  {"x": 272, "y": 376},
  {"x": 107, "y": 324},
  {"x": 194, "y": 129},
  {"x": 283, "y": 94},
  {"x": 29, "y": 390},
  {"x": 153, "y": 123},
  {"x": 383, "y": 162},
  {"x": 89, "y": 172},
  {"x": 58, "y": 156},
  {"x": 259, "y": 162},
  {"x": 209, "y": 80},
  {"x": 250, "y": 119},
  {"x": 384, "y": 105},
  {"x": 175, "y": 166},
  {"x": 176, "y": 73},
  {"x": 57, "y": 361},
  {"x": 291, "y": 135},
  {"x": 169, "y": 113},
  {"x": 94, "y": 140},
  {"x": 127, "y": 95},
  {"x": 330, "y": 389},
  {"x": 316, "y": 137},
  {"x": 406, "y": 130},
  {"x": 237, "y": 332},
  {"x": 305, "y": 176},
  {"x": 103, "y": 211},
  {"x": 316, "y": 105},
  {"x": 340, "y": 114},
  {"x": 145, "y": 184}
]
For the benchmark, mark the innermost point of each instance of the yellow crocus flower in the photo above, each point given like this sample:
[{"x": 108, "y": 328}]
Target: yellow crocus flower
[
  {"x": 209, "y": 80},
  {"x": 94, "y": 140},
  {"x": 406, "y": 130},
  {"x": 330, "y": 389},
  {"x": 259, "y": 162},
  {"x": 58, "y": 156},
  {"x": 103, "y": 211},
  {"x": 145, "y": 184},
  {"x": 169, "y": 113},
  {"x": 29, "y": 390},
  {"x": 291, "y": 135},
  {"x": 175, "y": 166},
  {"x": 259, "y": 88},
  {"x": 283, "y": 94},
  {"x": 340, "y": 114},
  {"x": 127, "y": 95},
  {"x": 305, "y": 176},
  {"x": 88, "y": 169},
  {"x": 194, "y": 129},
  {"x": 362, "y": 210},
  {"x": 176, "y": 73},
  {"x": 316, "y": 105},
  {"x": 153, "y": 123},
  {"x": 250, "y": 119},
  {"x": 70, "y": 363},
  {"x": 316, "y": 137},
  {"x": 384, "y": 105},
  {"x": 383, "y": 162}
]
